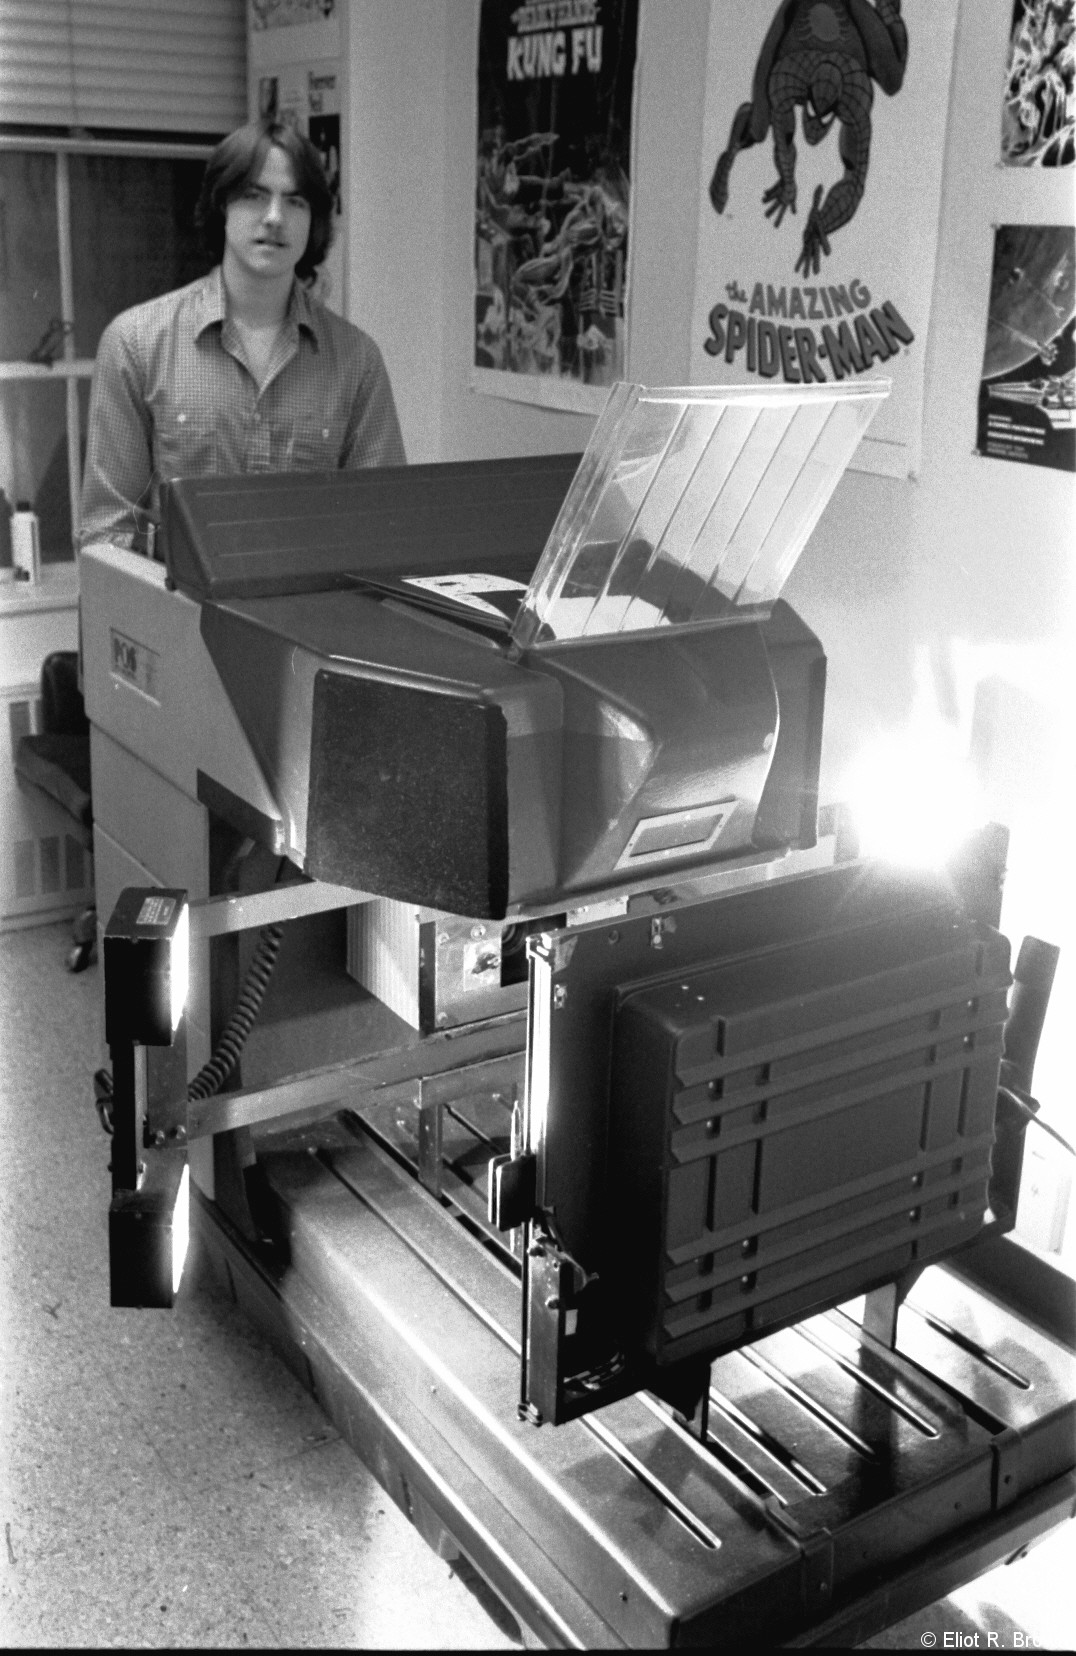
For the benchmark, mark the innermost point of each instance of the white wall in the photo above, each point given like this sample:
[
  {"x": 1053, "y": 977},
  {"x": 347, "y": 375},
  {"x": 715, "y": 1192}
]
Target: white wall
[
  {"x": 958, "y": 582},
  {"x": 411, "y": 231}
]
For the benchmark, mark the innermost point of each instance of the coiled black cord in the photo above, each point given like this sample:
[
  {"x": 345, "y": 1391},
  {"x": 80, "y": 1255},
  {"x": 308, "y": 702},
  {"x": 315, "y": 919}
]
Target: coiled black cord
[{"x": 213, "y": 1074}]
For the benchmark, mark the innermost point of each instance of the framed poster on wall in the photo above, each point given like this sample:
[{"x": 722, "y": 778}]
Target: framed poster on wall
[
  {"x": 824, "y": 137},
  {"x": 1038, "y": 120},
  {"x": 552, "y": 199},
  {"x": 1027, "y": 395}
]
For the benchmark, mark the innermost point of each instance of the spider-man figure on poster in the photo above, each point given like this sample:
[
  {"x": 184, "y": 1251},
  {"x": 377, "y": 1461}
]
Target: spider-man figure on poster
[{"x": 821, "y": 56}]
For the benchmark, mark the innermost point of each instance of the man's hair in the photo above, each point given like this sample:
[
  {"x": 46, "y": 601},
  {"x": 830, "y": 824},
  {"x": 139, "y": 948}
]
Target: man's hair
[{"x": 238, "y": 160}]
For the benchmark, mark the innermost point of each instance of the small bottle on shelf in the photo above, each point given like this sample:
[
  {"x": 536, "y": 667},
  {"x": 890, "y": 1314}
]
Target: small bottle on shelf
[{"x": 26, "y": 543}]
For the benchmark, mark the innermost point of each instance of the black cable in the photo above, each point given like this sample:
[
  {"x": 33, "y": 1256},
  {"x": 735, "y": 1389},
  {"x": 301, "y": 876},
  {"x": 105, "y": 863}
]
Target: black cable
[
  {"x": 212, "y": 1076},
  {"x": 102, "y": 1098},
  {"x": 1026, "y": 1110}
]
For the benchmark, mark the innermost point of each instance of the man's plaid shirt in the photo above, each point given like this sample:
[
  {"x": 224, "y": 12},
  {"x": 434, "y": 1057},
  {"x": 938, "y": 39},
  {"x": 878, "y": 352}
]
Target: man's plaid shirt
[{"x": 173, "y": 397}]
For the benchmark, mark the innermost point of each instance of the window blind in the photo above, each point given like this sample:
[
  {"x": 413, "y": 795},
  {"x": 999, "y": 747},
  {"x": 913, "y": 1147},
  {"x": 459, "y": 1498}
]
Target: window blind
[{"x": 159, "y": 65}]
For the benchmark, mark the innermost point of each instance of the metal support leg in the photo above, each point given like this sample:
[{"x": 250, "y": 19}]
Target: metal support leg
[
  {"x": 881, "y": 1306},
  {"x": 128, "y": 1113},
  {"x": 880, "y": 1310},
  {"x": 430, "y": 1140}
]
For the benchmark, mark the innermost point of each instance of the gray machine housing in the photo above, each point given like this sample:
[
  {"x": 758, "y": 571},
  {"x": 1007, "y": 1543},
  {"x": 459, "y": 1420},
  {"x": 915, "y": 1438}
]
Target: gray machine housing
[{"x": 423, "y": 755}]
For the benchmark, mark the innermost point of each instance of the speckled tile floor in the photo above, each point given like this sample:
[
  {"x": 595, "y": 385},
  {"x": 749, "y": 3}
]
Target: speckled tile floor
[{"x": 165, "y": 1481}]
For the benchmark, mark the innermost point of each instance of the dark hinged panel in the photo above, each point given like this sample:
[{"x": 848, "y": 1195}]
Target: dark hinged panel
[
  {"x": 611, "y": 1177},
  {"x": 363, "y": 828},
  {"x": 820, "y": 1166},
  {"x": 308, "y": 532}
]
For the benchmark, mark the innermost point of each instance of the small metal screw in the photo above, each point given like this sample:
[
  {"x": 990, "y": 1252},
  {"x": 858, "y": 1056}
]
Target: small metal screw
[
  {"x": 614, "y": 936},
  {"x": 560, "y": 996},
  {"x": 442, "y": 1017},
  {"x": 443, "y": 937}
]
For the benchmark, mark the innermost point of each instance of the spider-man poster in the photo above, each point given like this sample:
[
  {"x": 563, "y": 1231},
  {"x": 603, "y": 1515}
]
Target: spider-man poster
[
  {"x": 819, "y": 200},
  {"x": 555, "y": 81}
]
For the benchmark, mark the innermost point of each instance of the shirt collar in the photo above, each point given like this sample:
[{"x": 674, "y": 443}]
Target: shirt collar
[
  {"x": 214, "y": 310},
  {"x": 303, "y": 312}
]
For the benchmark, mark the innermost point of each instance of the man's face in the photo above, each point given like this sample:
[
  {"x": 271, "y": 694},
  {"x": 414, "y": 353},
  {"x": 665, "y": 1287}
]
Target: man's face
[{"x": 267, "y": 226}]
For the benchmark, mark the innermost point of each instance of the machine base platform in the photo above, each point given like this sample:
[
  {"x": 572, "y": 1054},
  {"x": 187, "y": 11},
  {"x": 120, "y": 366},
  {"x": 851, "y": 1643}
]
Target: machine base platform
[{"x": 837, "y": 1487}]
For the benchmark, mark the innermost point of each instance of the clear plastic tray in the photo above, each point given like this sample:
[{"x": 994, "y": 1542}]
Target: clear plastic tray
[{"x": 691, "y": 505}]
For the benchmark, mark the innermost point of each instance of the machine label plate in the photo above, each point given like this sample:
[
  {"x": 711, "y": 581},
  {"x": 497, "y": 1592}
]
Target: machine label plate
[
  {"x": 156, "y": 911},
  {"x": 134, "y": 663}
]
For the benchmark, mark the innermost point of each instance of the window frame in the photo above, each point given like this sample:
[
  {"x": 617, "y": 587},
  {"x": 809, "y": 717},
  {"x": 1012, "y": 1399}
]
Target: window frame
[{"x": 68, "y": 367}]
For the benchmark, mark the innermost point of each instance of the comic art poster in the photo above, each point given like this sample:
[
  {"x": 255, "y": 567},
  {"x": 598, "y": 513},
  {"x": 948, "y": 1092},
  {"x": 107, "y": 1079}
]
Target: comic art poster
[
  {"x": 1027, "y": 398},
  {"x": 555, "y": 82},
  {"x": 819, "y": 201},
  {"x": 1039, "y": 111},
  {"x": 323, "y": 121}
]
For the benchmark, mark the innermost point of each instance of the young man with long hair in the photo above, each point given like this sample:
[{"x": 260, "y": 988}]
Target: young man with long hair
[{"x": 242, "y": 370}]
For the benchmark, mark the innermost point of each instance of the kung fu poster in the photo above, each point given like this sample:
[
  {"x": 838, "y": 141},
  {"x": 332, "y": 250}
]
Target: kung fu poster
[
  {"x": 1027, "y": 396},
  {"x": 555, "y": 81},
  {"x": 819, "y": 203}
]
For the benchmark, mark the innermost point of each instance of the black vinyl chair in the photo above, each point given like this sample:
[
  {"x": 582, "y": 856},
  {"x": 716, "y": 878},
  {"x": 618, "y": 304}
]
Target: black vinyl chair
[{"x": 57, "y": 762}]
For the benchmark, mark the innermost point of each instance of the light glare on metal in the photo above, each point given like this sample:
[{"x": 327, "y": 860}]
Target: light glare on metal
[
  {"x": 913, "y": 797},
  {"x": 179, "y": 972},
  {"x": 181, "y": 1229}
]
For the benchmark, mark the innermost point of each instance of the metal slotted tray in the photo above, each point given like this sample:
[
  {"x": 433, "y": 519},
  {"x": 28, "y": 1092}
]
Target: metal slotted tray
[{"x": 839, "y": 1487}]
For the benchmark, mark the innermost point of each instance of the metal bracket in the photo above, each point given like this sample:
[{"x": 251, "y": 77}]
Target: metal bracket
[
  {"x": 881, "y": 1306},
  {"x": 512, "y": 1186},
  {"x": 816, "y": 1550},
  {"x": 430, "y": 1140},
  {"x": 1006, "y": 1479}
]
